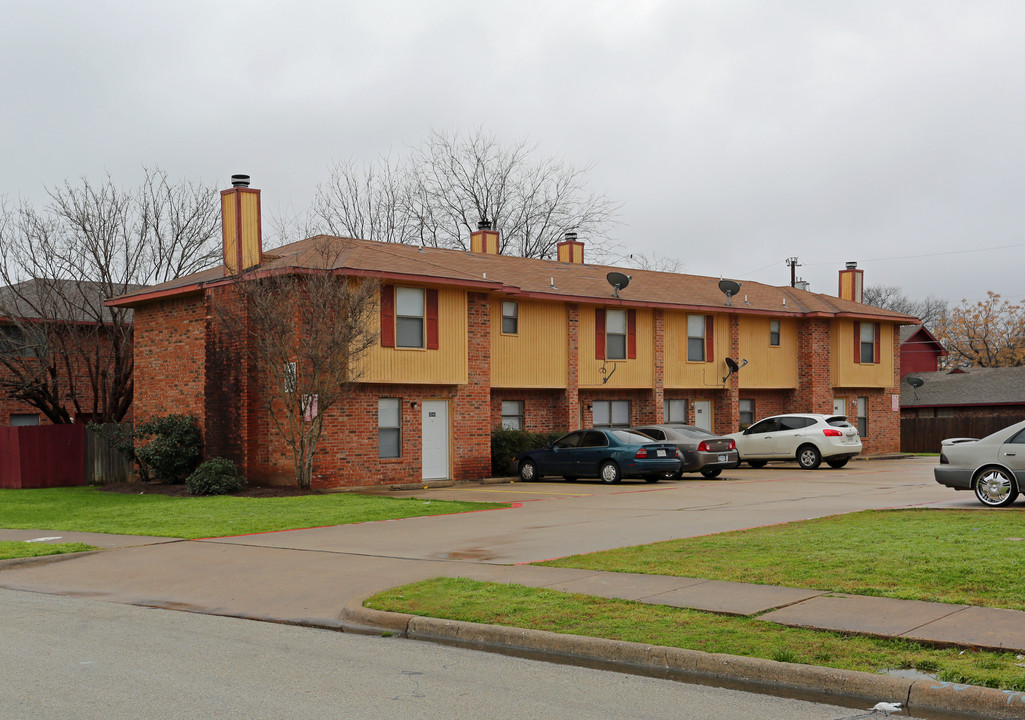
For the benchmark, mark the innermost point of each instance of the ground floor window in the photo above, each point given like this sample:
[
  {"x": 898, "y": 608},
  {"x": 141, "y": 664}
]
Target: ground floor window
[
  {"x": 24, "y": 419},
  {"x": 747, "y": 413},
  {"x": 676, "y": 411},
  {"x": 611, "y": 414},
  {"x": 863, "y": 416},
  {"x": 389, "y": 427},
  {"x": 512, "y": 414}
]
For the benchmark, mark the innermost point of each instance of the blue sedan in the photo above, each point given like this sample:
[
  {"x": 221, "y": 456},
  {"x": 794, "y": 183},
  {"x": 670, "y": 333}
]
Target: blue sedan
[{"x": 609, "y": 455}]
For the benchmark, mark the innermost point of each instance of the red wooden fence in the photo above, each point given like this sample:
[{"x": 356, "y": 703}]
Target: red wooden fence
[{"x": 42, "y": 456}]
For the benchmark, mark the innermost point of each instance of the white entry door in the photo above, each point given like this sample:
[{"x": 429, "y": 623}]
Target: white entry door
[
  {"x": 434, "y": 431},
  {"x": 703, "y": 414}
]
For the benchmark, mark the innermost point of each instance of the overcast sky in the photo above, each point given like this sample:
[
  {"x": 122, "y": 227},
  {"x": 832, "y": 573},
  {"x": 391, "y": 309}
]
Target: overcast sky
[{"x": 734, "y": 134}]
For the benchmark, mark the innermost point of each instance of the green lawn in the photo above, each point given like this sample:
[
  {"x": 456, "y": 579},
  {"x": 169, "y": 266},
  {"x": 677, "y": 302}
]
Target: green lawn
[
  {"x": 971, "y": 557},
  {"x": 10, "y": 550},
  {"x": 87, "y": 509}
]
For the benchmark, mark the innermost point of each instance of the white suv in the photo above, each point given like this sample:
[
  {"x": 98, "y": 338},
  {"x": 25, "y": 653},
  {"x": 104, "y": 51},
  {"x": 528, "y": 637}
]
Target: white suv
[{"x": 805, "y": 437}]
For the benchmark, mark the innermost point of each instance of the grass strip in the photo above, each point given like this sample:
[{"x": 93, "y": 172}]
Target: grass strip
[
  {"x": 87, "y": 509},
  {"x": 968, "y": 557},
  {"x": 10, "y": 550},
  {"x": 542, "y": 609}
]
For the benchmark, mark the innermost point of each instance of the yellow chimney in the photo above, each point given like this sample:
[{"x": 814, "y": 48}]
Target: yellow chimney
[
  {"x": 571, "y": 250},
  {"x": 852, "y": 283},
  {"x": 484, "y": 239},
  {"x": 240, "y": 226}
]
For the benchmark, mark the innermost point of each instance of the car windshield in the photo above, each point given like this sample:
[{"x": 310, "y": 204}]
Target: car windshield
[
  {"x": 631, "y": 438},
  {"x": 838, "y": 421},
  {"x": 691, "y": 432}
]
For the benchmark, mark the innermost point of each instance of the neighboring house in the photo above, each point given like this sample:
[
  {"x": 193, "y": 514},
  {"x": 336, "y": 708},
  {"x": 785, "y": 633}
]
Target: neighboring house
[
  {"x": 542, "y": 345},
  {"x": 29, "y": 312},
  {"x": 970, "y": 402},
  {"x": 920, "y": 351}
]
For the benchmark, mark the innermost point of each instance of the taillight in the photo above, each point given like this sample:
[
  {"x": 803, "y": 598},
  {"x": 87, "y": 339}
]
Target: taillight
[
  {"x": 732, "y": 445},
  {"x": 641, "y": 454},
  {"x": 830, "y": 432},
  {"x": 703, "y": 447},
  {"x": 943, "y": 459},
  {"x": 679, "y": 454}
]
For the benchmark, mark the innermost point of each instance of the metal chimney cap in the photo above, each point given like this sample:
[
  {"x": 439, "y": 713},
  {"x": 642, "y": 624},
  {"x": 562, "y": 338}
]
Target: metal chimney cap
[
  {"x": 851, "y": 265},
  {"x": 240, "y": 181},
  {"x": 571, "y": 235},
  {"x": 484, "y": 224}
]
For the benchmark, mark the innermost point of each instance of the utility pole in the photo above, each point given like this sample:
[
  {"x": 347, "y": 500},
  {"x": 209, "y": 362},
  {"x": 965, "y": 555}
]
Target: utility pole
[{"x": 792, "y": 262}]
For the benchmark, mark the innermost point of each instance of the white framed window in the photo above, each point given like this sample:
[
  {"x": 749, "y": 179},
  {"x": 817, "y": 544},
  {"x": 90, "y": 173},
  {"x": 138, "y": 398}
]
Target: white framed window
[
  {"x": 696, "y": 338},
  {"x": 747, "y": 413},
  {"x": 610, "y": 414},
  {"x": 862, "y": 403},
  {"x": 290, "y": 377},
  {"x": 409, "y": 317},
  {"x": 675, "y": 411},
  {"x": 615, "y": 334},
  {"x": 867, "y": 342},
  {"x": 389, "y": 427},
  {"x": 773, "y": 333},
  {"x": 510, "y": 317},
  {"x": 512, "y": 414}
]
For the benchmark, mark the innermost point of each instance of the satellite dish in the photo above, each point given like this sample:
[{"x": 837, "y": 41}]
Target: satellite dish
[
  {"x": 732, "y": 365},
  {"x": 915, "y": 382},
  {"x": 618, "y": 281},
  {"x": 730, "y": 288}
]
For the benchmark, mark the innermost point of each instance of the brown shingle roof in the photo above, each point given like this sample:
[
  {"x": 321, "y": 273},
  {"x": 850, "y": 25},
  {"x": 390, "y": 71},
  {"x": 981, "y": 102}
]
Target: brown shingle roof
[
  {"x": 528, "y": 277},
  {"x": 974, "y": 386}
]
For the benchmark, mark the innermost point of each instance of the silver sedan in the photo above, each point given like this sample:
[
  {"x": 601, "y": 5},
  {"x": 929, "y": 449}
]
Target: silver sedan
[
  {"x": 700, "y": 450},
  {"x": 994, "y": 467}
]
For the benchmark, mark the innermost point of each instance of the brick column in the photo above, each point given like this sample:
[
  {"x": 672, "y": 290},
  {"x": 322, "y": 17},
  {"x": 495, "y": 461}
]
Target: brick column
[
  {"x": 814, "y": 367},
  {"x": 573, "y": 360},
  {"x": 471, "y": 406},
  {"x": 658, "y": 391},
  {"x": 727, "y": 402}
]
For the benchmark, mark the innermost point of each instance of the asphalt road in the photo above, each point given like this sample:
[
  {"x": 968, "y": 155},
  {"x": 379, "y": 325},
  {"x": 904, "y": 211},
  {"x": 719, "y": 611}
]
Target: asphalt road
[{"x": 78, "y": 659}]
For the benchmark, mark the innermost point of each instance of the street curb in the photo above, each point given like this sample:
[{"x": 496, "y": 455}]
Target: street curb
[{"x": 756, "y": 674}]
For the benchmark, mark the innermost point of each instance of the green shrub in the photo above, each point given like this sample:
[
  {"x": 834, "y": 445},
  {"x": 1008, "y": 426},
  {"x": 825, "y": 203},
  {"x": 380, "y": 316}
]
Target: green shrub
[
  {"x": 170, "y": 449},
  {"x": 506, "y": 443},
  {"x": 217, "y": 476}
]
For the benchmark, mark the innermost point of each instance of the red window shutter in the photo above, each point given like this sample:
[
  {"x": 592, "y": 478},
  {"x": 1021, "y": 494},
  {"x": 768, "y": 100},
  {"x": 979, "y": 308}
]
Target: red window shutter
[
  {"x": 431, "y": 319},
  {"x": 709, "y": 338},
  {"x": 857, "y": 342},
  {"x": 387, "y": 316},
  {"x": 879, "y": 339},
  {"x": 631, "y": 334},
  {"x": 599, "y": 333}
]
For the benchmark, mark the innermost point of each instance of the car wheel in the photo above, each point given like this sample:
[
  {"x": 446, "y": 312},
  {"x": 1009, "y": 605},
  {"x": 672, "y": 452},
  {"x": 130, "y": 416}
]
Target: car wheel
[
  {"x": 837, "y": 463},
  {"x": 757, "y": 463},
  {"x": 528, "y": 471},
  {"x": 652, "y": 478},
  {"x": 711, "y": 472},
  {"x": 609, "y": 472},
  {"x": 995, "y": 487},
  {"x": 808, "y": 457}
]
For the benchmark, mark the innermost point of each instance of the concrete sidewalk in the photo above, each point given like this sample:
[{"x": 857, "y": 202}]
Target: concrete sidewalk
[{"x": 327, "y": 589}]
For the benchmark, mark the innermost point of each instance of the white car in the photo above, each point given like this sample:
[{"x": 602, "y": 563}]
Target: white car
[{"x": 805, "y": 437}]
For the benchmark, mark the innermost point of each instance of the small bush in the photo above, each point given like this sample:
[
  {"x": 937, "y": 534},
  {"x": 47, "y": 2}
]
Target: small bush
[
  {"x": 506, "y": 443},
  {"x": 173, "y": 450},
  {"x": 216, "y": 476}
]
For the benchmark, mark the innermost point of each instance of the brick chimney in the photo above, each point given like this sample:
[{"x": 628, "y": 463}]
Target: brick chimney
[
  {"x": 852, "y": 283},
  {"x": 571, "y": 250},
  {"x": 484, "y": 239},
  {"x": 241, "y": 232}
]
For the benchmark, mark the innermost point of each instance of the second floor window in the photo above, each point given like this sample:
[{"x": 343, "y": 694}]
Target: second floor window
[
  {"x": 409, "y": 317},
  {"x": 774, "y": 333},
  {"x": 697, "y": 327},
  {"x": 867, "y": 338},
  {"x": 510, "y": 318},
  {"x": 615, "y": 334}
]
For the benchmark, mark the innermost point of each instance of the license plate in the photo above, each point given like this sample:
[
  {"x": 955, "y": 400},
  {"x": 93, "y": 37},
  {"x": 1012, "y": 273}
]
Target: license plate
[
  {"x": 660, "y": 453},
  {"x": 723, "y": 458}
]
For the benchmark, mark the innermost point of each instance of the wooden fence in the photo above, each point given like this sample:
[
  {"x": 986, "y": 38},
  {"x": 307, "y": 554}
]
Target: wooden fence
[
  {"x": 104, "y": 464},
  {"x": 925, "y": 434},
  {"x": 59, "y": 456}
]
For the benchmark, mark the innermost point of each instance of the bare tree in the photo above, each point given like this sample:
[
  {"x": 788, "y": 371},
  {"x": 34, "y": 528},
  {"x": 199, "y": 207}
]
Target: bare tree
[
  {"x": 441, "y": 189},
  {"x": 890, "y": 297},
  {"x": 61, "y": 350},
  {"x": 307, "y": 333},
  {"x": 990, "y": 333}
]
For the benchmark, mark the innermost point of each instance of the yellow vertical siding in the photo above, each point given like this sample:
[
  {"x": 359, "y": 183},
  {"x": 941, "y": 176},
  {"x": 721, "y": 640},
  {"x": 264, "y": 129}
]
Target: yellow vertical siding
[
  {"x": 538, "y": 354},
  {"x": 768, "y": 367},
  {"x": 638, "y": 372},
  {"x": 846, "y": 372},
  {"x": 250, "y": 202},
  {"x": 445, "y": 366},
  {"x": 679, "y": 372}
]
